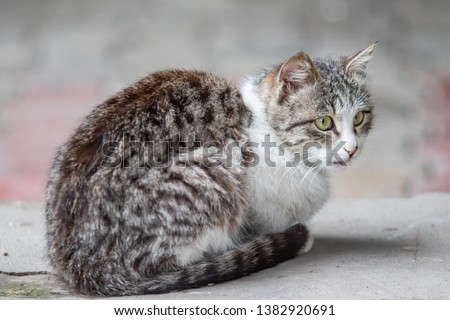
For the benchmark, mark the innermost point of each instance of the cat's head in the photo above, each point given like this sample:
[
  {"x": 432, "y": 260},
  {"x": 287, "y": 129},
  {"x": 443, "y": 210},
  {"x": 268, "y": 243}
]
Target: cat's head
[{"x": 321, "y": 108}]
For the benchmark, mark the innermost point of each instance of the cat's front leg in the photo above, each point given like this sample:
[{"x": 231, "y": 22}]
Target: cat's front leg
[{"x": 309, "y": 244}]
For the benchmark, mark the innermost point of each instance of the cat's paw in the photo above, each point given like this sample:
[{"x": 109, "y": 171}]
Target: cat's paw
[{"x": 308, "y": 245}]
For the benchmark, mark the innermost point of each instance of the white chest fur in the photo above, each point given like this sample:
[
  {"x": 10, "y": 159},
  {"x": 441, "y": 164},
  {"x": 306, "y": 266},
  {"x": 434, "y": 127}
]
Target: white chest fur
[{"x": 279, "y": 194}]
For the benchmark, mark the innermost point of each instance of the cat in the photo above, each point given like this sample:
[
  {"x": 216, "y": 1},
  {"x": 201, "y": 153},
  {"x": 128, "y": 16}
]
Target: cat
[{"x": 183, "y": 180}]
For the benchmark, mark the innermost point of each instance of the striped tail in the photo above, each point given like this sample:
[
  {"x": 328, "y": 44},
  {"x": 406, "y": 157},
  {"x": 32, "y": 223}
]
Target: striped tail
[{"x": 259, "y": 253}]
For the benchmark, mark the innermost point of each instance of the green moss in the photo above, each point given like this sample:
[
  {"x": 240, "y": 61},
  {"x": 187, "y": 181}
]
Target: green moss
[{"x": 29, "y": 292}]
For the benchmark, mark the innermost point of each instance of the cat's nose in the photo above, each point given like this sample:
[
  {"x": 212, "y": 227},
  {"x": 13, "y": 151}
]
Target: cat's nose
[{"x": 352, "y": 151}]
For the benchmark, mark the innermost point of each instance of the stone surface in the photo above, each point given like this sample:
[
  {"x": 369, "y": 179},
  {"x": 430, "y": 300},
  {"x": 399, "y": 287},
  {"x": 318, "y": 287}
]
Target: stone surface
[
  {"x": 364, "y": 249},
  {"x": 22, "y": 241},
  {"x": 59, "y": 58}
]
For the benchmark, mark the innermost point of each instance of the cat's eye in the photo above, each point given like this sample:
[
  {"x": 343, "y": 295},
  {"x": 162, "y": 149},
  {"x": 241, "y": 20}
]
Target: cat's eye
[
  {"x": 324, "y": 123},
  {"x": 358, "y": 118}
]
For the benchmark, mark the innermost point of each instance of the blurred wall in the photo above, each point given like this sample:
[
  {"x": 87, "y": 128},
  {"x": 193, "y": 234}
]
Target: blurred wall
[{"x": 60, "y": 58}]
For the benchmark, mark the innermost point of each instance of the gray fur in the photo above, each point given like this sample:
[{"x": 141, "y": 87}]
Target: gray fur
[{"x": 126, "y": 219}]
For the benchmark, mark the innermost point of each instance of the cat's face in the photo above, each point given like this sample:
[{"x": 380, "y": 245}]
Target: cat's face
[{"x": 321, "y": 109}]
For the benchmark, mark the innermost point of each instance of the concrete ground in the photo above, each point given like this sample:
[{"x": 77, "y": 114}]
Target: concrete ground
[
  {"x": 364, "y": 249},
  {"x": 59, "y": 58}
]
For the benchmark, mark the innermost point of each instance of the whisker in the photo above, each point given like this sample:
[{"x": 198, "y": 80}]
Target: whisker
[
  {"x": 306, "y": 174},
  {"x": 284, "y": 174},
  {"x": 311, "y": 183}
]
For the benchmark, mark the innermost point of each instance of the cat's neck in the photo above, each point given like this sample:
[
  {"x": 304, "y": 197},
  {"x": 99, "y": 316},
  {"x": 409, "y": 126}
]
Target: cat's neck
[
  {"x": 279, "y": 192},
  {"x": 259, "y": 127},
  {"x": 260, "y": 132}
]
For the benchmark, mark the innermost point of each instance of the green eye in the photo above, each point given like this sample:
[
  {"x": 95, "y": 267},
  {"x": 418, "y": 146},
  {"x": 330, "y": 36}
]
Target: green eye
[
  {"x": 324, "y": 123},
  {"x": 358, "y": 118}
]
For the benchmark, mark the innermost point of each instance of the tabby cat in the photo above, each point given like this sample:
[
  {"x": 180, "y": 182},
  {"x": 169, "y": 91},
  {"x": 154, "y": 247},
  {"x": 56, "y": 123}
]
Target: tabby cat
[{"x": 182, "y": 180}]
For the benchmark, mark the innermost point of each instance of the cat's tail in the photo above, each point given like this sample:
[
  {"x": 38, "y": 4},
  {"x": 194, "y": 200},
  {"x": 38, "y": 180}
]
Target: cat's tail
[{"x": 259, "y": 253}]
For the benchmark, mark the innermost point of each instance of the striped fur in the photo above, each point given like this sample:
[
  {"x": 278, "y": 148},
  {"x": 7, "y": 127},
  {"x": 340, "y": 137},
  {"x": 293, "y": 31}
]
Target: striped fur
[{"x": 158, "y": 189}]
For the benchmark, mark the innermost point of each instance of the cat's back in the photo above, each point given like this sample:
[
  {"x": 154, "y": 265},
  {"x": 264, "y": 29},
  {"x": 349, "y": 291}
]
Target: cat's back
[
  {"x": 165, "y": 107},
  {"x": 173, "y": 102}
]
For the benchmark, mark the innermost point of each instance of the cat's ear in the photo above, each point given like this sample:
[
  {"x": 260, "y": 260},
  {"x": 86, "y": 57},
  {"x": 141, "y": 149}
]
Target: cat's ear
[
  {"x": 356, "y": 64},
  {"x": 298, "y": 72}
]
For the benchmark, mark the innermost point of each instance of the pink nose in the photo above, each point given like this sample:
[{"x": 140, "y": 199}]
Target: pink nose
[{"x": 352, "y": 151}]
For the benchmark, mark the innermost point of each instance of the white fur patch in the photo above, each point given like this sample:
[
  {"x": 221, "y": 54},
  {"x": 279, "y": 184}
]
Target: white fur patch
[
  {"x": 308, "y": 245},
  {"x": 279, "y": 195}
]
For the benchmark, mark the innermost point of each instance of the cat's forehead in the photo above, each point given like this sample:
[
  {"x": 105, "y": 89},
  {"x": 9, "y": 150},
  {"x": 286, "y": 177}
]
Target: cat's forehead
[
  {"x": 329, "y": 66},
  {"x": 332, "y": 73},
  {"x": 336, "y": 91}
]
